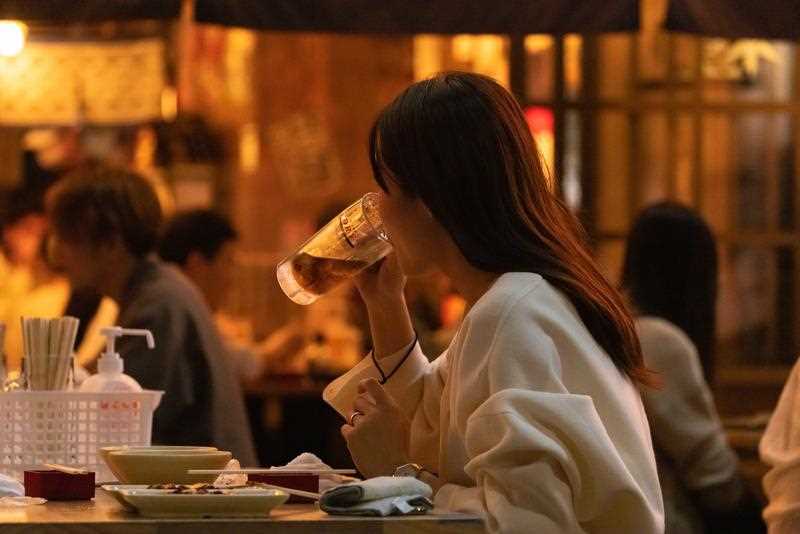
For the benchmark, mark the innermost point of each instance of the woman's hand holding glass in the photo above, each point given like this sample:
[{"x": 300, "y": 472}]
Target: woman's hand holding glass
[{"x": 382, "y": 284}]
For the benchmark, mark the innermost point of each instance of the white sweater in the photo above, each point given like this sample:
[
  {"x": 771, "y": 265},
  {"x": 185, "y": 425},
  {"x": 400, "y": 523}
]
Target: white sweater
[
  {"x": 691, "y": 444},
  {"x": 526, "y": 419},
  {"x": 780, "y": 449}
]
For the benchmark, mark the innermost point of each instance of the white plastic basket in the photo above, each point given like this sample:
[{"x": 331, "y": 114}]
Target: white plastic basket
[{"x": 68, "y": 427}]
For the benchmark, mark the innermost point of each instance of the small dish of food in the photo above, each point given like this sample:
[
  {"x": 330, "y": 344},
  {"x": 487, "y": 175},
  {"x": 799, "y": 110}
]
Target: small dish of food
[{"x": 202, "y": 500}]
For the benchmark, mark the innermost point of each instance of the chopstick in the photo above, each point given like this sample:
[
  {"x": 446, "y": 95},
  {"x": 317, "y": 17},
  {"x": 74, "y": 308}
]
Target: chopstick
[
  {"x": 67, "y": 469},
  {"x": 290, "y": 491},
  {"x": 271, "y": 471}
]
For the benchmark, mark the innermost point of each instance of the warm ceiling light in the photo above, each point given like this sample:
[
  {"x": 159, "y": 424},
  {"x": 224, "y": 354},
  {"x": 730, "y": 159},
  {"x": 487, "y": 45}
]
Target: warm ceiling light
[{"x": 12, "y": 37}]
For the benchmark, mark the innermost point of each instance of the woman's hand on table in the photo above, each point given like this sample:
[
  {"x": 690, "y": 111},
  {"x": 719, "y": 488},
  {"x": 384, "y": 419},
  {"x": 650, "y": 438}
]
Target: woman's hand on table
[{"x": 377, "y": 433}]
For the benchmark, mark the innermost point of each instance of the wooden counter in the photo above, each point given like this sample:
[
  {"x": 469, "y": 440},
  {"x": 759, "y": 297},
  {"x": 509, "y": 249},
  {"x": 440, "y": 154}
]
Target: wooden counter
[{"x": 104, "y": 515}]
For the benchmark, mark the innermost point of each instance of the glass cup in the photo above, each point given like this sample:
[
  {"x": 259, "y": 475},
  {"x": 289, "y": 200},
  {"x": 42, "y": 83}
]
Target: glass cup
[{"x": 348, "y": 244}]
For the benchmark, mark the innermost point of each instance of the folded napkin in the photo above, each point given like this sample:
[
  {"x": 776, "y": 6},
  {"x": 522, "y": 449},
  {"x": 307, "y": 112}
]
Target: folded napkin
[
  {"x": 380, "y": 496},
  {"x": 308, "y": 460},
  {"x": 12, "y": 494},
  {"x": 10, "y": 487}
]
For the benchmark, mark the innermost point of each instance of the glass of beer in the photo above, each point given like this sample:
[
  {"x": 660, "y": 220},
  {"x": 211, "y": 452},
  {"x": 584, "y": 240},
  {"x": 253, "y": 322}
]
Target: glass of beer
[{"x": 348, "y": 244}]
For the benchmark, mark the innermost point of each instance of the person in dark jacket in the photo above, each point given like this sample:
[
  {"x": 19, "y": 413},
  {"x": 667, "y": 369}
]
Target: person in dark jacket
[{"x": 104, "y": 228}]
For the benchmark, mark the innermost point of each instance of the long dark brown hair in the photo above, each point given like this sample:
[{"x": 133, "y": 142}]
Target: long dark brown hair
[
  {"x": 670, "y": 271},
  {"x": 460, "y": 143}
]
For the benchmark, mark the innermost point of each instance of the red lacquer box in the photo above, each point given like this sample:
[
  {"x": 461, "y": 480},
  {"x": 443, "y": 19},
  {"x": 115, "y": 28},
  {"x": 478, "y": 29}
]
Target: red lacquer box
[
  {"x": 298, "y": 481},
  {"x": 58, "y": 486}
]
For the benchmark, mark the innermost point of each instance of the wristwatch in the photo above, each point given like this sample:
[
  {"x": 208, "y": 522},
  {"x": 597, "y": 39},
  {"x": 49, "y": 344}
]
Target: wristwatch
[{"x": 409, "y": 470}]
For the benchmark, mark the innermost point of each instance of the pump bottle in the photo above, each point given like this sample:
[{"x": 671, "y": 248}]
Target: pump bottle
[{"x": 110, "y": 376}]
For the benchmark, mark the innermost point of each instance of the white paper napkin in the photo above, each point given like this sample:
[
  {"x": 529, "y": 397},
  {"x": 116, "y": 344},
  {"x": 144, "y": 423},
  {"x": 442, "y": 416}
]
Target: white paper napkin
[
  {"x": 10, "y": 487},
  {"x": 308, "y": 460},
  {"x": 227, "y": 480}
]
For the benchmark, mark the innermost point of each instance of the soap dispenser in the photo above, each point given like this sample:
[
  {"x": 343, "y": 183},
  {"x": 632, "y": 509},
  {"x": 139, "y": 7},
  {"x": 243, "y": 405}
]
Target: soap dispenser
[{"x": 109, "y": 375}]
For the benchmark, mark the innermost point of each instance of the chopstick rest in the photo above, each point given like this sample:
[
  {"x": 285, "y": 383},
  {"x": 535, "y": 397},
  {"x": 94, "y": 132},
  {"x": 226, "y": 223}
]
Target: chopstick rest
[{"x": 59, "y": 486}]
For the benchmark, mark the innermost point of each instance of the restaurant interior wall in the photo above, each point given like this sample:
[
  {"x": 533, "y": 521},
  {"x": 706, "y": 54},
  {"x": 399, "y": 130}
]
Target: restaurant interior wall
[
  {"x": 622, "y": 119},
  {"x": 713, "y": 124},
  {"x": 296, "y": 110},
  {"x": 634, "y": 118}
]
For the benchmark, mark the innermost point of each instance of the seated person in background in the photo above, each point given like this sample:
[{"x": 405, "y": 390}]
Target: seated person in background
[
  {"x": 670, "y": 277},
  {"x": 104, "y": 225},
  {"x": 334, "y": 342},
  {"x": 201, "y": 243},
  {"x": 780, "y": 449},
  {"x": 32, "y": 288}
]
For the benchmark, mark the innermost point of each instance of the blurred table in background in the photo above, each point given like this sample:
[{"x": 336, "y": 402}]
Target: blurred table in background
[
  {"x": 289, "y": 417},
  {"x": 745, "y": 442},
  {"x": 745, "y": 395}
]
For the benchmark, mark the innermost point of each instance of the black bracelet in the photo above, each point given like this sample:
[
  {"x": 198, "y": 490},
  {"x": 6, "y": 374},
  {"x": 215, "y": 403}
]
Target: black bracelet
[
  {"x": 384, "y": 377},
  {"x": 377, "y": 366}
]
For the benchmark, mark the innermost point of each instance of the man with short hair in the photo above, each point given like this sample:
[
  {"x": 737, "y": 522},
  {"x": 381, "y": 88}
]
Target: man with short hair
[
  {"x": 105, "y": 224},
  {"x": 201, "y": 243}
]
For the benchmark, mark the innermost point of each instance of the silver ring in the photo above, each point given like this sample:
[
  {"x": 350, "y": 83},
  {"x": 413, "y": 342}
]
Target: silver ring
[{"x": 352, "y": 419}]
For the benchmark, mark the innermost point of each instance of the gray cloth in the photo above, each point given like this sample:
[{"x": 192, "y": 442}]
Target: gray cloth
[
  {"x": 203, "y": 402},
  {"x": 380, "y": 496}
]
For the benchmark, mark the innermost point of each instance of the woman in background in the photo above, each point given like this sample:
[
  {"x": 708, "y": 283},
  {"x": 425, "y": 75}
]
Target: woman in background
[{"x": 670, "y": 276}]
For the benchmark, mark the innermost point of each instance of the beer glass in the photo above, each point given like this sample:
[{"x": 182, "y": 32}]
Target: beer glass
[{"x": 348, "y": 244}]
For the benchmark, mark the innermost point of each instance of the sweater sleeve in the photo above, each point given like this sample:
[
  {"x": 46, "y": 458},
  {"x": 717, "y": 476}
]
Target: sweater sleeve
[
  {"x": 416, "y": 385},
  {"x": 780, "y": 449}
]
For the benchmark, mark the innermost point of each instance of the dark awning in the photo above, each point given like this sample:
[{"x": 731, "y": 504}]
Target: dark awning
[
  {"x": 353, "y": 16},
  {"x": 78, "y": 11},
  {"x": 424, "y": 16},
  {"x": 765, "y": 19}
]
